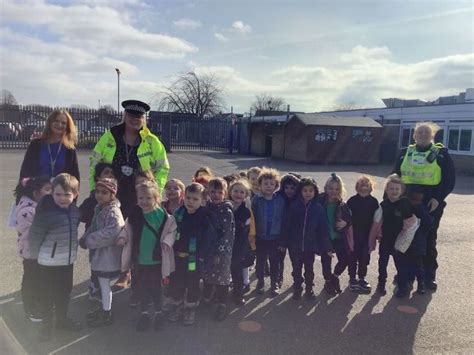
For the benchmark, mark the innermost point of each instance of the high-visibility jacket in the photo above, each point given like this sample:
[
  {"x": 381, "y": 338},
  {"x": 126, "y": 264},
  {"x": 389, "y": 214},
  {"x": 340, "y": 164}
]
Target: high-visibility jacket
[
  {"x": 151, "y": 154},
  {"x": 421, "y": 168}
]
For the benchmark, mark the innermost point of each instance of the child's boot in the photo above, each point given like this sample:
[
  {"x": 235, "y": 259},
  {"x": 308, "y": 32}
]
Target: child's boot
[
  {"x": 297, "y": 291},
  {"x": 354, "y": 285},
  {"x": 221, "y": 312},
  {"x": 336, "y": 283},
  {"x": 329, "y": 287},
  {"x": 189, "y": 315},
  {"x": 260, "y": 289},
  {"x": 401, "y": 292},
  {"x": 176, "y": 312},
  {"x": 421, "y": 289},
  {"x": 103, "y": 318},
  {"x": 364, "y": 286},
  {"x": 381, "y": 288},
  {"x": 309, "y": 294},
  {"x": 93, "y": 315},
  {"x": 275, "y": 290}
]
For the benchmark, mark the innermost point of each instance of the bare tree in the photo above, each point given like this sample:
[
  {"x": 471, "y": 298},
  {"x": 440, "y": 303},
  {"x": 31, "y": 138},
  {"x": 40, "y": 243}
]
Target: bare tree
[
  {"x": 267, "y": 102},
  {"x": 199, "y": 94},
  {"x": 8, "y": 98}
]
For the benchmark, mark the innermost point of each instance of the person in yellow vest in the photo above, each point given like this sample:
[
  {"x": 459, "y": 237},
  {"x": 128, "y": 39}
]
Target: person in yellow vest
[
  {"x": 429, "y": 165},
  {"x": 130, "y": 147}
]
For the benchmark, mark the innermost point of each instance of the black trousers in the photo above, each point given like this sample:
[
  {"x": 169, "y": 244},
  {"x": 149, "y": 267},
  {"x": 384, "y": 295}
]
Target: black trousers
[
  {"x": 409, "y": 267},
  {"x": 184, "y": 283},
  {"x": 148, "y": 285},
  {"x": 281, "y": 264},
  {"x": 359, "y": 259},
  {"x": 55, "y": 291},
  {"x": 342, "y": 259},
  {"x": 30, "y": 284},
  {"x": 237, "y": 279},
  {"x": 385, "y": 250},
  {"x": 430, "y": 263},
  {"x": 267, "y": 248},
  {"x": 298, "y": 260}
]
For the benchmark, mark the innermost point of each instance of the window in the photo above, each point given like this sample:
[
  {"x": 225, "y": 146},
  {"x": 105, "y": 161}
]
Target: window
[
  {"x": 325, "y": 135},
  {"x": 407, "y": 137},
  {"x": 460, "y": 139},
  {"x": 465, "y": 140}
]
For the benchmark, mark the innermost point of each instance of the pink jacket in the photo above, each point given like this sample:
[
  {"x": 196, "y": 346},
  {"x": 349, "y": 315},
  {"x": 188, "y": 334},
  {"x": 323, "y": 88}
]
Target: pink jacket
[
  {"x": 168, "y": 237},
  {"x": 25, "y": 212}
]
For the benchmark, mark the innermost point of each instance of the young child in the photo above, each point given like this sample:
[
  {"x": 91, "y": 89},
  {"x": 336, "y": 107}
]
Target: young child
[
  {"x": 86, "y": 209},
  {"x": 28, "y": 193},
  {"x": 216, "y": 274},
  {"x": 252, "y": 175},
  {"x": 340, "y": 232},
  {"x": 288, "y": 190},
  {"x": 53, "y": 241},
  {"x": 410, "y": 263},
  {"x": 268, "y": 210},
  {"x": 102, "y": 171},
  {"x": 242, "y": 254},
  {"x": 144, "y": 175},
  {"x": 190, "y": 249},
  {"x": 305, "y": 233},
  {"x": 203, "y": 175},
  {"x": 174, "y": 190},
  {"x": 149, "y": 235},
  {"x": 105, "y": 256},
  {"x": 363, "y": 206},
  {"x": 395, "y": 210}
]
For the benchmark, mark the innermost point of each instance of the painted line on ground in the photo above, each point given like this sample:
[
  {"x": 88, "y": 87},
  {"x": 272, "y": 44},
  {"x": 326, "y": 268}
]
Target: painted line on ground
[
  {"x": 15, "y": 344},
  {"x": 68, "y": 345}
]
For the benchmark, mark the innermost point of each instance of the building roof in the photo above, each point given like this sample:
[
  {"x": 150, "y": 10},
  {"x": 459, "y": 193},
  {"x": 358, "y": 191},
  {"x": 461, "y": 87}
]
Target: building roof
[{"x": 316, "y": 119}]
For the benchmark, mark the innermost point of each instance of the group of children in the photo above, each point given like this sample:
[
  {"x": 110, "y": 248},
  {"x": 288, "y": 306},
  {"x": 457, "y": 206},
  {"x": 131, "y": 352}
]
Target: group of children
[{"x": 203, "y": 239}]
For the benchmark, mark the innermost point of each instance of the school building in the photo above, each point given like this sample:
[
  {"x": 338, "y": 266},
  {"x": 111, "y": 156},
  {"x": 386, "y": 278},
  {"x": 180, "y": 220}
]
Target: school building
[{"x": 454, "y": 114}]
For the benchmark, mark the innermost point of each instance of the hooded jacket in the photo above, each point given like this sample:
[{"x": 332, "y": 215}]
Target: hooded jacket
[
  {"x": 25, "y": 212},
  {"x": 53, "y": 235}
]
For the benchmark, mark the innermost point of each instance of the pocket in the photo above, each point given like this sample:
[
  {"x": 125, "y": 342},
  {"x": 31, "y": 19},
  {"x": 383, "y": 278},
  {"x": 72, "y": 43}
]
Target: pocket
[{"x": 54, "y": 249}]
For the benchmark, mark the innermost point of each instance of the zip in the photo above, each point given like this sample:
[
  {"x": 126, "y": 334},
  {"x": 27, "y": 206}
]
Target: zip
[{"x": 304, "y": 224}]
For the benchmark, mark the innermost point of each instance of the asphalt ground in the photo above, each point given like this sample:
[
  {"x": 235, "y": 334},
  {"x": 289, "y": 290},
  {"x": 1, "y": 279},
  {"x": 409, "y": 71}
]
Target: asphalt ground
[{"x": 440, "y": 322}]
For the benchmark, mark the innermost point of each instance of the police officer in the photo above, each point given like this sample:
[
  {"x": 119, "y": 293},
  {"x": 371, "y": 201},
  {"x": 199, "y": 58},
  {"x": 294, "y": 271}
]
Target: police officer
[
  {"x": 130, "y": 147},
  {"x": 429, "y": 165}
]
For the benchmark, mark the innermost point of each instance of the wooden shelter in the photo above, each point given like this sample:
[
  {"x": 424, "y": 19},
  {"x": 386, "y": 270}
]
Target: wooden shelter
[{"x": 331, "y": 139}]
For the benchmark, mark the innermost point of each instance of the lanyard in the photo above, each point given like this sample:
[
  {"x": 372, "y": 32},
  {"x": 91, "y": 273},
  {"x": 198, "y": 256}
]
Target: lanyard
[{"x": 53, "y": 162}]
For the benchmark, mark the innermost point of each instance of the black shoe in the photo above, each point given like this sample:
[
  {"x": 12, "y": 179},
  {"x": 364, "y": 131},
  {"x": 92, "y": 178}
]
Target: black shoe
[
  {"x": 354, "y": 285},
  {"x": 297, "y": 291},
  {"x": 246, "y": 289},
  {"x": 260, "y": 289},
  {"x": 401, "y": 292},
  {"x": 431, "y": 285},
  {"x": 158, "y": 321},
  {"x": 364, "y": 286},
  {"x": 68, "y": 324},
  {"x": 221, "y": 312},
  {"x": 143, "y": 323},
  {"x": 176, "y": 313},
  {"x": 275, "y": 291},
  {"x": 381, "y": 288},
  {"x": 45, "y": 332},
  {"x": 329, "y": 288},
  {"x": 189, "y": 316},
  {"x": 421, "y": 289},
  {"x": 336, "y": 283},
  {"x": 238, "y": 300},
  {"x": 104, "y": 318},
  {"x": 93, "y": 314},
  {"x": 280, "y": 283},
  {"x": 309, "y": 295}
]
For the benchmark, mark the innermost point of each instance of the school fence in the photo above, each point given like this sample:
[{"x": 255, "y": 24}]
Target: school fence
[{"x": 19, "y": 124}]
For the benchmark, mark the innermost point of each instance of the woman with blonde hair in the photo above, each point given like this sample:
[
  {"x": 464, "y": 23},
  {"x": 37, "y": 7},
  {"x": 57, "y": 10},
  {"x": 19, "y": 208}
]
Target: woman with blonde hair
[
  {"x": 55, "y": 151},
  {"x": 429, "y": 165}
]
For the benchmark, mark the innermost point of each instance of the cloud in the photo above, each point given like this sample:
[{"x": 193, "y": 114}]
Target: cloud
[
  {"x": 241, "y": 27},
  {"x": 187, "y": 24},
  {"x": 101, "y": 30},
  {"x": 220, "y": 37}
]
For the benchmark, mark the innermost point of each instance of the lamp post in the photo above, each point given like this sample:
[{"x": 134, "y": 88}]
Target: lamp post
[{"x": 118, "y": 89}]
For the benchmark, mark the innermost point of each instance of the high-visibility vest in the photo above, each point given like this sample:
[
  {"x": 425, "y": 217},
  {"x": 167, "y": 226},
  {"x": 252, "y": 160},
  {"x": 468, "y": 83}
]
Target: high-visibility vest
[
  {"x": 151, "y": 154},
  {"x": 416, "y": 169}
]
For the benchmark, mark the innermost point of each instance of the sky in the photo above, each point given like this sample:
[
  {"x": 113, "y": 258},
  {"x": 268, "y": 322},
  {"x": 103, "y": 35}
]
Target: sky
[{"x": 317, "y": 54}]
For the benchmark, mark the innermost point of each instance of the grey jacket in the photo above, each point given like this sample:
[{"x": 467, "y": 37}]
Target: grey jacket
[
  {"x": 53, "y": 235},
  {"x": 259, "y": 212},
  {"x": 101, "y": 236}
]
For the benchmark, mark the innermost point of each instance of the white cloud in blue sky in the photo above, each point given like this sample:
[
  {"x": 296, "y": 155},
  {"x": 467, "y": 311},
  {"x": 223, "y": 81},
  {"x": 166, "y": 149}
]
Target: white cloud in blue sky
[{"x": 315, "y": 54}]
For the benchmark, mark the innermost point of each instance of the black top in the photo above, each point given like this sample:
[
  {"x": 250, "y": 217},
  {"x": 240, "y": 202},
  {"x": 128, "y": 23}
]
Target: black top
[
  {"x": 393, "y": 215},
  {"x": 448, "y": 174},
  {"x": 30, "y": 166},
  {"x": 362, "y": 209},
  {"x": 190, "y": 226}
]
